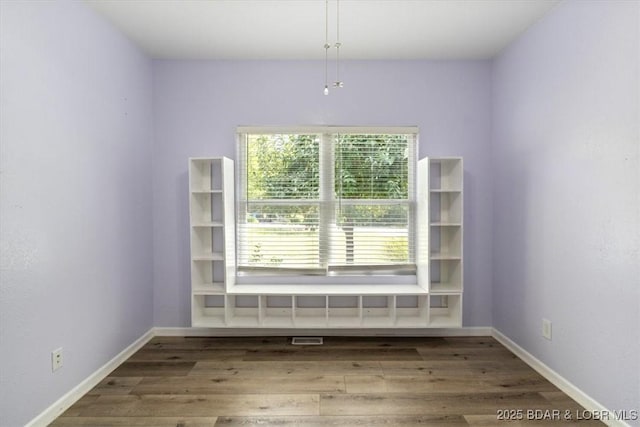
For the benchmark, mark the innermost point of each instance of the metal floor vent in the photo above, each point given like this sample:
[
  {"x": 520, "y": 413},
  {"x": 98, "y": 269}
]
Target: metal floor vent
[{"x": 306, "y": 341}]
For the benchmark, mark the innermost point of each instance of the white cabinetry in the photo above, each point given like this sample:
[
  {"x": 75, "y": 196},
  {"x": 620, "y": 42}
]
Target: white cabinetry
[
  {"x": 212, "y": 225},
  {"x": 434, "y": 302},
  {"x": 445, "y": 241}
]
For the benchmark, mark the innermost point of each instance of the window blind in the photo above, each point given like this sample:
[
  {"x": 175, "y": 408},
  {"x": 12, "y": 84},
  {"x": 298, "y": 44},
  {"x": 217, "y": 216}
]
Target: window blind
[
  {"x": 326, "y": 203},
  {"x": 374, "y": 201},
  {"x": 279, "y": 206}
]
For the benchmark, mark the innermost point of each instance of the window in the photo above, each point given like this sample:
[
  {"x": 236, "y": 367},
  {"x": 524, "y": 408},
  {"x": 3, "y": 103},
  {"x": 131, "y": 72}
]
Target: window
[{"x": 327, "y": 201}]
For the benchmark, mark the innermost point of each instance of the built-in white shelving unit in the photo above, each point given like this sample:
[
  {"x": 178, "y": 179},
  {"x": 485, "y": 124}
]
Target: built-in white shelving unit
[
  {"x": 211, "y": 211},
  {"x": 434, "y": 302},
  {"x": 445, "y": 241}
]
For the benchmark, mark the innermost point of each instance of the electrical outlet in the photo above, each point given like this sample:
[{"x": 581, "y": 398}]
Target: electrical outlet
[
  {"x": 546, "y": 329},
  {"x": 56, "y": 359}
]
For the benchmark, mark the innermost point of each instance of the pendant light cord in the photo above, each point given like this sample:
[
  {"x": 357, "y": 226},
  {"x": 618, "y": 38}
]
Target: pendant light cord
[
  {"x": 338, "y": 83},
  {"x": 326, "y": 47}
]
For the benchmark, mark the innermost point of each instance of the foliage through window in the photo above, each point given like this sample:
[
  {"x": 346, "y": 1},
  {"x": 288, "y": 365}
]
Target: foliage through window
[{"x": 326, "y": 203}]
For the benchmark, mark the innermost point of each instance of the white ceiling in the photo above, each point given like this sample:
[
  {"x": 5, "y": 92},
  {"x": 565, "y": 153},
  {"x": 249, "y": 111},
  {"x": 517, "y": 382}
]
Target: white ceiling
[{"x": 295, "y": 29}]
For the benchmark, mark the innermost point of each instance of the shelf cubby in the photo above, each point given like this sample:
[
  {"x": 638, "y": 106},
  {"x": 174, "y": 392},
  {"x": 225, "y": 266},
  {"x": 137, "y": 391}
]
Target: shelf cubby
[
  {"x": 446, "y": 242},
  {"x": 207, "y": 243},
  {"x": 445, "y": 208},
  {"x": 445, "y": 310},
  {"x": 243, "y": 310},
  {"x": 277, "y": 311},
  {"x": 411, "y": 310},
  {"x": 310, "y": 311},
  {"x": 446, "y": 276},
  {"x": 205, "y": 174},
  {"x": 206, "y": 208},
  {"x": 344, "y": 311},
  {"x": 208, "y": 311},
  {"x": 445, "y": 174},
  {"x": 378, "y": 311},
  {"x": 207, "y": 277}
]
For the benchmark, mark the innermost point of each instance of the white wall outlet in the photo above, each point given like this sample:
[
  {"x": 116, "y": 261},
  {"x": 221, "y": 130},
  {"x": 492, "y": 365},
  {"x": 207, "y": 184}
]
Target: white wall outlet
[
  {"x": 546, "y": 329},
  {"x": 56, "y": 359}
]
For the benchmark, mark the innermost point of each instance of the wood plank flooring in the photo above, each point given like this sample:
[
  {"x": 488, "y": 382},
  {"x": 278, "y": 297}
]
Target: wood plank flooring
[{"x": 348, "y": 381}]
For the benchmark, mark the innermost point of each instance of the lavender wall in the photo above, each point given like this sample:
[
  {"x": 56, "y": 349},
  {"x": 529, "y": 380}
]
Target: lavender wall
[
  {"x": 199, "y": 104},
  {"x": 75, "y": 145},
  {"x": 551, "y": 180},
  {"x": 566, "y": 188}
]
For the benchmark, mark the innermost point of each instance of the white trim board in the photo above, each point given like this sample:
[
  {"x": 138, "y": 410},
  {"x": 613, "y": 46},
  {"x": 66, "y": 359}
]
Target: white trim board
[
  {"x": 479, "y": 331},
  {"x": 556, "y": 379},
  {"x": 59, "y": 406}
]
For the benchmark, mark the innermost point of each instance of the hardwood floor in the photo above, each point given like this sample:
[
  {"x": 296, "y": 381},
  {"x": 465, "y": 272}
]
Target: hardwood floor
[{"x": 348, "y": 381}]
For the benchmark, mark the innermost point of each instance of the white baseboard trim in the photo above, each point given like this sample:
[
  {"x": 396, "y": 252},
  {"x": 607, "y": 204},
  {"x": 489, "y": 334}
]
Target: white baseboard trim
[
  {"x": 62, "y": 404},
  {"x": 558, "y": 380},
  {"x": 480, "y": 331}
]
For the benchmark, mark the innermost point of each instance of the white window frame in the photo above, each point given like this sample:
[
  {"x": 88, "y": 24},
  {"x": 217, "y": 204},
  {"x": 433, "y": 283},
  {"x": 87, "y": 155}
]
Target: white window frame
[{"x": 399, "y": 276}]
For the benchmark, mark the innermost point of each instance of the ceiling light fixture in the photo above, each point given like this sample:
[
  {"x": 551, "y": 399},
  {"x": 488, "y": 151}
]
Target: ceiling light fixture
[{"x": 338, "y": 83}]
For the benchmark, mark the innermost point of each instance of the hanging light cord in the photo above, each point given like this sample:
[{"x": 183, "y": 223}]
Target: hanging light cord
[
  {"x": 326, "y": 47},
  {"x": 338, "y": 83}
]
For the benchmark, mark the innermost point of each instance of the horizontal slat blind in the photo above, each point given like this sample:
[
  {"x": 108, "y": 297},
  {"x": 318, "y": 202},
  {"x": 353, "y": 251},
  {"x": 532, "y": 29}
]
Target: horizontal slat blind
[
  {"x": 279, "y": 207},
  {"x": 374, "y": 203},
  {"x": 326, "y": 203}
]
